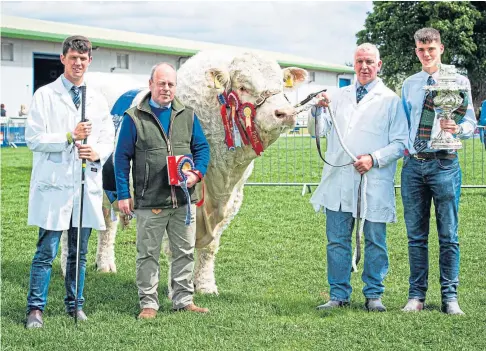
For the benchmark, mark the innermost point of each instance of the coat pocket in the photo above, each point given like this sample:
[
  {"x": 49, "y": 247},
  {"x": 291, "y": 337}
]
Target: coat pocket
[
  {"x": 51, "y": 176},
  {"x": 380, "y": 195},
  {"x": 94, "y": 178},
  {"x": 146, "y": 179}
]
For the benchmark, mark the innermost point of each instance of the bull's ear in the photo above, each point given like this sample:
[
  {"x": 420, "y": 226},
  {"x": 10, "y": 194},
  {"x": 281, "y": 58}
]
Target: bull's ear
[
  {"x": 218, "y": 79},
  {"x": 293, "y": 76}
]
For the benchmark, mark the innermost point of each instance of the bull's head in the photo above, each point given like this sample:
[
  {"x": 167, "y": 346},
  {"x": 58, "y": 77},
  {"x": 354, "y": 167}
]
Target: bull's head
[{"x": 261, "y": 82}]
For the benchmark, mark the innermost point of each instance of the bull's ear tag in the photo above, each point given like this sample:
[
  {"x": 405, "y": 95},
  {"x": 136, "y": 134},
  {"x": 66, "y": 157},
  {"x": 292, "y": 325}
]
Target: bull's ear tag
[{"x": 289, "y": 81}]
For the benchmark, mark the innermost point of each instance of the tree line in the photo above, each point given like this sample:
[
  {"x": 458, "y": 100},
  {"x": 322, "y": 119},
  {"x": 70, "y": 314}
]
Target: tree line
[{"x": 462, "y": 24}]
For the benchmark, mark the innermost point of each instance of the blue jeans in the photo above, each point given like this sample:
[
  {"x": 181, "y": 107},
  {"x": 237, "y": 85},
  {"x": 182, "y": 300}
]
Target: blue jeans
[
  {"x": 422, "y": 182},
  {"x": 40, "y": 272},
  {"x": 339, "y": 228}
]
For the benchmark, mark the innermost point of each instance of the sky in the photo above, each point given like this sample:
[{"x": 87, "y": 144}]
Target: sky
[{"x": 323, "y": 30}]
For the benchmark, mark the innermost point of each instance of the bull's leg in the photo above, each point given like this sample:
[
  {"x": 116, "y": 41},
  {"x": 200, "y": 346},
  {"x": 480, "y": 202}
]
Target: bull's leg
[
  {"x": 64, "y": 252},
  {"x": 105, "y": 253},
  {"x": 168, "y": 254},
  {"x": 204, "y": 278}
]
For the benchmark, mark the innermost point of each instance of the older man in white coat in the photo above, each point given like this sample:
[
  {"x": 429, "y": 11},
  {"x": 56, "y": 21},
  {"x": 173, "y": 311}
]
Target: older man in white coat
[
  {"x": 372, "y": 122},
  {"x": 54, "y": 131}
]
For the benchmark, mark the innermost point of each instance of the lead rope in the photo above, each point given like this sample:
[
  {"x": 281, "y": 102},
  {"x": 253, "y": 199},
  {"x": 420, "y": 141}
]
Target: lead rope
[{"x": 362, "y": 183}]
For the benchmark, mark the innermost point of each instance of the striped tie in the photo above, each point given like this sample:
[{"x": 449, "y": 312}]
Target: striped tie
[
  {"x": 421, "y": 145},
  {"x": 76, "y": 97},
  {"x": 360, "y": 93}
]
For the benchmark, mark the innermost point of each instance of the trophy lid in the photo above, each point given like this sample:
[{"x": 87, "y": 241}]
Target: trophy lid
[{"x": 447, "y": 79}]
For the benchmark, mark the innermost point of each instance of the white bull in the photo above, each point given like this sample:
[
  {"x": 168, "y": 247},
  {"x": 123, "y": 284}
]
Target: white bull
[{"x": 200, "y": 80}]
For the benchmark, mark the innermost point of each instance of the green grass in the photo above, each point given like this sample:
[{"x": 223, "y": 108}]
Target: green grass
[{"x": 271, "y": 273}]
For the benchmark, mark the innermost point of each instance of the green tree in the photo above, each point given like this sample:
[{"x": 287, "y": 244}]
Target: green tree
[{"x": 392, "y": 24}]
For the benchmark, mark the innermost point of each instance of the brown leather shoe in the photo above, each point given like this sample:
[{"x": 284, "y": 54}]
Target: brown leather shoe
[
  {"x": 34, "y": 319},
  {"x": 192, "y": 308},
  {"x": 147, "y": 313}
]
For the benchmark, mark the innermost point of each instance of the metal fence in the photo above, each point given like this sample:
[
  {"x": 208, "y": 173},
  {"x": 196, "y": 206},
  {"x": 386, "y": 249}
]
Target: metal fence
[
  {"x": 12, "y": 132},
  {"x": 293, "y": 160}
]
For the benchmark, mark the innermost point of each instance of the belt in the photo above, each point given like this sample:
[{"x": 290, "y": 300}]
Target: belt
[{"x": 434, "y": 156}]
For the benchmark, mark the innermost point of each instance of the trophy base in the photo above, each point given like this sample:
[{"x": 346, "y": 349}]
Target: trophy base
[{"x": 444, "y": 144}]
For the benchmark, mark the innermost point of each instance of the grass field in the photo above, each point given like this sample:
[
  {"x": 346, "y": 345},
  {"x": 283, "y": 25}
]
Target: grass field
[{"x": 271, "y": 273}]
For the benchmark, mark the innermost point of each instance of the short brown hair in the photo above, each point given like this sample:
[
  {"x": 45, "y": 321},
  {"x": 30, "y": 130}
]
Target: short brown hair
[
  {"x": 77, "y": 42},
  {"x": 427, "y": 35}
]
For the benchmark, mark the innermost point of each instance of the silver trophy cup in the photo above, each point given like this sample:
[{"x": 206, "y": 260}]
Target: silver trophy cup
[{"x": 448, "y": 100}]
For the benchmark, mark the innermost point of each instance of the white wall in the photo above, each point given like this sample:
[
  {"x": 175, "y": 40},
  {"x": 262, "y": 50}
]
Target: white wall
[{"x": 17, "y": 77}]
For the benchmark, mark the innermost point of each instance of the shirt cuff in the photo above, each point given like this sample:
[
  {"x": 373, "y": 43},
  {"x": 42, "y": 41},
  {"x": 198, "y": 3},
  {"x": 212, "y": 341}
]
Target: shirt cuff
[
  {"x": 461, "y": 130},
  {"x": 375, "y": 161},
  {"x": 197, "y": 173}
]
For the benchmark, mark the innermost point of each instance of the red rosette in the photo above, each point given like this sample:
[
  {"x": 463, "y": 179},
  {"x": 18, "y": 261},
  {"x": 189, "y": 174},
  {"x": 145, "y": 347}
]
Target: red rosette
[
  {"x": 247, "y": 114},
  {"x": 234, "y": 100}
]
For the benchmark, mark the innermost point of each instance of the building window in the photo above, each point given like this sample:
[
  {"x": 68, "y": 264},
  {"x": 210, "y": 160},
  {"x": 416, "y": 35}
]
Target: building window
[
  {"x": 122, "y": 61},
  {"x": 7, "y": 52},
  {"x": 312, "y": 76}
]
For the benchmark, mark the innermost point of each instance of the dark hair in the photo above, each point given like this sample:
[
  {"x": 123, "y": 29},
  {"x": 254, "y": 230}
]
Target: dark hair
[
  {"x": 427, "y": 35},
  {"x": 78, "y": 43},
  {"x": 2, "y": 105}
]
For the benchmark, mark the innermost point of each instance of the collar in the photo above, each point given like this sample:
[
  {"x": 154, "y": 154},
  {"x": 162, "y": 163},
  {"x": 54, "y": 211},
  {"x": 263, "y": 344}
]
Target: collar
[
  {"x": 369, "y": 85},
  {"x": 144, "y": 103},
  {"x": 68, "y": 84},
  {"x": 426, "y": 75},
  {"x": 152, "y": 103}
]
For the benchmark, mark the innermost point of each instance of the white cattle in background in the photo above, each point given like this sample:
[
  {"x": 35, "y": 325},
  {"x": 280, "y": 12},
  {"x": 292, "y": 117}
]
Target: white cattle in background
[{"x": 255, "y": 79}]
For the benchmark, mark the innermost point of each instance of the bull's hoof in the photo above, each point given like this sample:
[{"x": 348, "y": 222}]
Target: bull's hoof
[
  {"x": 109, "y": 267},
  {"x": 207, "y": 289}
]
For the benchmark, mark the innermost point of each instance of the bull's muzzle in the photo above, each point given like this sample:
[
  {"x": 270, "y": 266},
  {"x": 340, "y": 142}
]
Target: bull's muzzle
[{"x": 285, "y": 112}]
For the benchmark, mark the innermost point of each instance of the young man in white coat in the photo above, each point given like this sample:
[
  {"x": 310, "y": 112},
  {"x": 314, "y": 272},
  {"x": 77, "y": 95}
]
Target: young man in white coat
[
  {"x": 372, "y": 122},
  {"x": 54, "y": 133}
]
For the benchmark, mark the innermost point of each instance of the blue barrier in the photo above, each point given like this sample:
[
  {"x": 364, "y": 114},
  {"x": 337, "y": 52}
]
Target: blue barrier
[
  {"x": 13, "y": 132},
  {"x": 3, "y": 135}
]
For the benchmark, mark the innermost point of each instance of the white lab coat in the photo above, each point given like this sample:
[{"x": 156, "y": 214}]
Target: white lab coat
[
  {"x": 377, "y": 126},
  {"x": 56, "y": 172}
]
